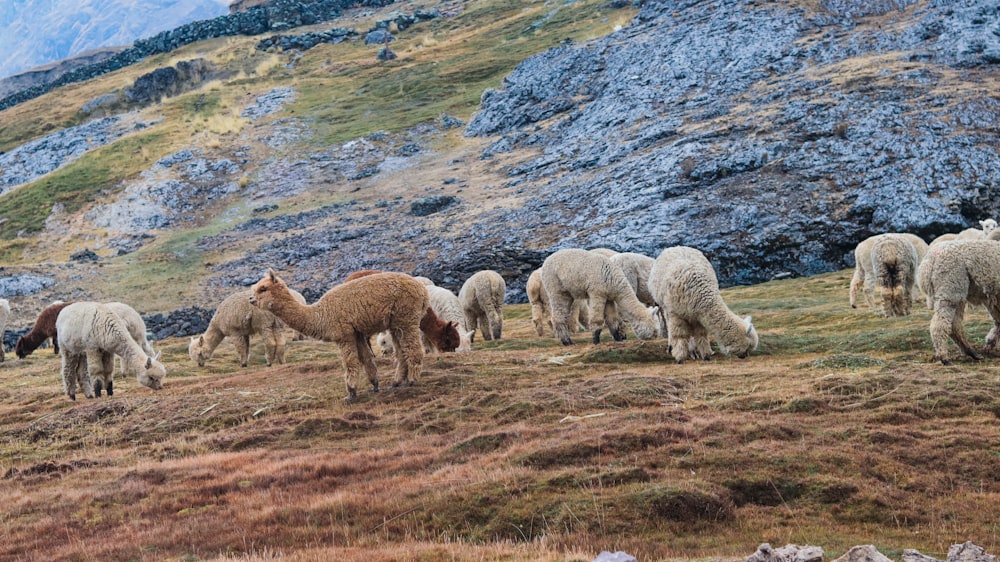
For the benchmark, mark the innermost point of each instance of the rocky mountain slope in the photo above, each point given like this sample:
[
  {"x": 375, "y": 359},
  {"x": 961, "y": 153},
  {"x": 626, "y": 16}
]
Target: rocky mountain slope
[
  {"x": 37, "y": 32},
  {"x": 773, "y": 136}
]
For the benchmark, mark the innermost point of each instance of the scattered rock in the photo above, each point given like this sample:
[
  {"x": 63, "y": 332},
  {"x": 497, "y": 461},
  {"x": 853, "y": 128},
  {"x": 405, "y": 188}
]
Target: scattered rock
[
  {"x": 787, "y": 553},
  {"x": 430, "y": 205},
  {"x": 386, "y": 54},
  {"x": 85, "y": 255},
  {"x": 866, "y": 553},
  {"x": 21, "y": 285},
  {"x": 378, "y": 37},
  {"x": 969, "y": 552}
]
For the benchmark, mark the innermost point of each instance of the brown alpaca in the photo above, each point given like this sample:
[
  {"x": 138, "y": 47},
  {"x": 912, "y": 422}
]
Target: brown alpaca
[
  {"x": 442, "y": 336},
  {"x": 349, "y": 314},
  {"x": 44, "y": 328}
]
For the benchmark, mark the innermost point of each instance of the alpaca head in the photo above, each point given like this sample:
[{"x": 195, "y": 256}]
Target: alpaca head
[
  {"x": 152, "y": 373},
  {"x": 450, "y": 338},
  {"x": 197, "y": 351},
  {"x": 988, "y": 226},
  {"x": 383, "y": 342},
  {"x": 267, "y": 290},
  {"x": 466, "y": 337},
  {"x": 748, "y": 343},
  {"x": 19, "y": 348}
]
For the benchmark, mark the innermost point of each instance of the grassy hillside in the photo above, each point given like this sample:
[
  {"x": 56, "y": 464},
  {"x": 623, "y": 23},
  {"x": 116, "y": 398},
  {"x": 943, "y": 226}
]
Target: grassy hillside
[{"x": 839, "y": 431}]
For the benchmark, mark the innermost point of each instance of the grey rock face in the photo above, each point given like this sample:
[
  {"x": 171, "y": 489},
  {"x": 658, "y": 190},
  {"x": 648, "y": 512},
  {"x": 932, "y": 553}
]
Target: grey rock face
[
  {"x": 20, "y": 285},
  {"x": 378, "y": 37},
  {"x": 619, "y": 556},
  {"x": 718, "y": 125}
]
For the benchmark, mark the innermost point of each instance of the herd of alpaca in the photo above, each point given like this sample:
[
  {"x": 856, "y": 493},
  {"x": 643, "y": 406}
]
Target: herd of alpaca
[
  {"x": 675, "y": 296},
  {"x": 952, "y": 271}
]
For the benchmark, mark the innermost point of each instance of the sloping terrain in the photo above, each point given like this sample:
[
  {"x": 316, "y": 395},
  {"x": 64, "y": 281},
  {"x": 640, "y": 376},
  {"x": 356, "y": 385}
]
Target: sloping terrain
[{"x": 838, "y": 431}]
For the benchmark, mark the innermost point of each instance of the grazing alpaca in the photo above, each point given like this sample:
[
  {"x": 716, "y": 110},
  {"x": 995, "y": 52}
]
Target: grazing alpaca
[
  {"x": 44, "y": 328},
  {"x": 350, "y": 313},
  {"x": 237, "y": 318},
  {"x": 438, "y": 335},
  {"x": 90, "y": 335}
]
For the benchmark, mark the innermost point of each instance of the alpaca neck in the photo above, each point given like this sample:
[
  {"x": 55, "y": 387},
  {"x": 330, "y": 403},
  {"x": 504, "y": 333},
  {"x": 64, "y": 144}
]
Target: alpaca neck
[
  {"x": 32, "y": 340},
  {"x": 722, "y": 321},
  {"x": 212, "y": 337},
  {"x": 297, "y": 316},
  {"x": 133, "y": 357}
]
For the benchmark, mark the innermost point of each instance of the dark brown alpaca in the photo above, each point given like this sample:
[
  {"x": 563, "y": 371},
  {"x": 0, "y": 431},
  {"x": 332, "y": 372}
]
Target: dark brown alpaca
[
  {"x": 442, "y": 335},
  {"x": 44, "y": 328}
]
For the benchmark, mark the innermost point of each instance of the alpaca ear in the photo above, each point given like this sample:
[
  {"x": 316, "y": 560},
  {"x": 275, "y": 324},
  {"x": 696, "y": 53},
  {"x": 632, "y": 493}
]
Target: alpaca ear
[
  {"x": 272, "y": 275},
  {"x": 157, "y": 356},
  {"x": 982, "y": 224},
  {"x": 749, "y": 324},
  {"x": 149, "y": 362},
  {"x": 201, "y": 340}
]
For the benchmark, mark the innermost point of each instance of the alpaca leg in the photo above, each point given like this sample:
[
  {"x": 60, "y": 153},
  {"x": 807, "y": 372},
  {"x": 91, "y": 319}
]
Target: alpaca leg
[
  {"x": 367, "y": 357},
  {"x": 597, "y": 310},
  {"x": 700, "y": 344},
  {"x": 856, "y": 282},
  {"x": 680, "y": 333},
  {"x": 242, "y": 344},
  {"x": 70, "y": 365},
  {"x": 91, "y": 375},
  {"x": 494, "y": 316},
  {"x": 483, "y": 325},
  {"x": 994, "y": 335},
  {"x": 279, "y": 345},
  {"x": 352, "y": 367},
  {"x": 958, "y": 332},
  {"x": 560, "y": 306},
  {"x": 108, "y": 366},
  {"x": 538, "y": 318},
  {"x": 581, "y": 315},
  {"x": 869, "y": 289},
  {"x": 614, "y": 323},
  {"x": 409, "y": 355}
]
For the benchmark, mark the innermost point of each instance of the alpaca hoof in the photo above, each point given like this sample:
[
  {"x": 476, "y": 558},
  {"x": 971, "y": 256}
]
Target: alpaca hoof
[
  {"x": 618, "y": 335},
  {"x": 97, "y": 388},
  {"x": 72, "y": 397},
  {"x": 854, "y": 306},
  {"x": 111, "y": 387},
  {"x": 374, "y": 387},
  {"x": 566, "y": 341},
  {"x": 597, "y": 337},
  {"x": 352, "y": 396}
]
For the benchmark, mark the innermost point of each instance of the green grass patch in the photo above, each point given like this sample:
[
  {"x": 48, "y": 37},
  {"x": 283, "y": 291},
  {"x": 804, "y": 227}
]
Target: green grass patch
[{"x": 27, "y": 207}]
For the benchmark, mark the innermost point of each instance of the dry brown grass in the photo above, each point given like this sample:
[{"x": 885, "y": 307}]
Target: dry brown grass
[{"x": 808, "y": 441}]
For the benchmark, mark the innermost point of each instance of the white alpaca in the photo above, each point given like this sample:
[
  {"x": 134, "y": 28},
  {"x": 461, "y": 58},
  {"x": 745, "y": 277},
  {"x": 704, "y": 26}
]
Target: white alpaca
[
  {"x": 541, "y": 315},
  {"x": 864, "y": 276},
  {"x": 482, "y": 297},
  {"x": 573, "y": 274},
  {"x": 90, "y": 335},
  {"x": 684, "y": 284}
]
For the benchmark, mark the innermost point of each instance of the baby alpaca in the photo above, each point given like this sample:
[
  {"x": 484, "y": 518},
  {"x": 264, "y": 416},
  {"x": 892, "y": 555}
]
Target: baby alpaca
[
  {"x": 684, "y": 284},
  {"x": 237, "y": 318},
  {"x": 349, "y": 314}
]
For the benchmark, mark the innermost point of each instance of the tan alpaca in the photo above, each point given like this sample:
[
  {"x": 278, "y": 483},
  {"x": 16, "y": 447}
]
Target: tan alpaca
[
  {"x": 349, "y": 314},
  {"x": 235, "y": 317}
]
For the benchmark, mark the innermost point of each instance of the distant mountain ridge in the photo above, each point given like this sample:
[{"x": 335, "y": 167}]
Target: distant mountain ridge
[{"x": 38, "y": 32}]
